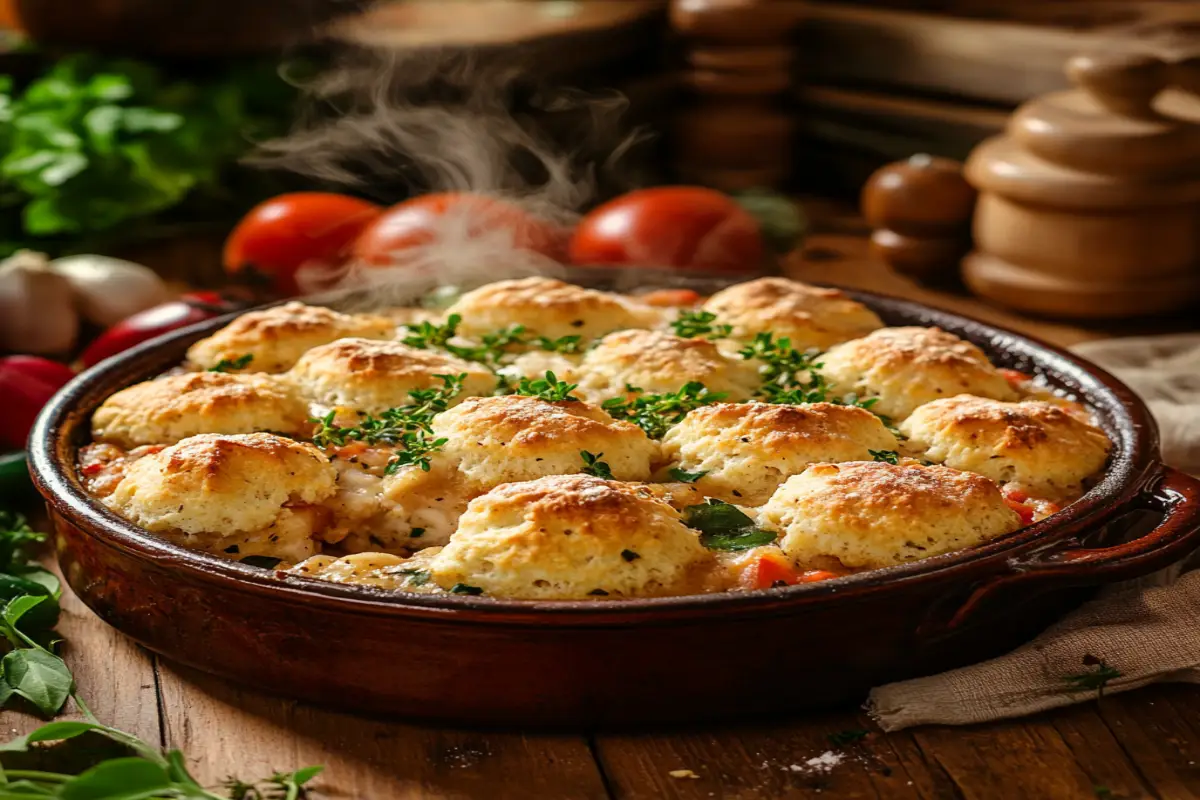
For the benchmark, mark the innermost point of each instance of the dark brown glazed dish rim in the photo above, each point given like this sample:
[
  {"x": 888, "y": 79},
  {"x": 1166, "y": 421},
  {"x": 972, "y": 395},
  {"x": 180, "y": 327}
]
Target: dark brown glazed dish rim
[{"x": 1133, "y": 464}]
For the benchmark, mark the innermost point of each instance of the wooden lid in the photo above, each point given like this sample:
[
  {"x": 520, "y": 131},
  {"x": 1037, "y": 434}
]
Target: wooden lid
[
  {"x": 1122, "y": 120},
  {"x": 1003, "y": 166}
]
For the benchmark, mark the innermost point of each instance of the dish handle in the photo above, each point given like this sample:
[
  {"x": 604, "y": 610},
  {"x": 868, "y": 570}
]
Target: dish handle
[{"x": 1173, "y": 494}]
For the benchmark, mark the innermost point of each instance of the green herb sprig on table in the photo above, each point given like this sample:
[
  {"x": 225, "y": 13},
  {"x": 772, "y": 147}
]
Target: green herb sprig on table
[
  {"x": 725, "y": 527},
  {"x": 232, "y": 364},
  {"x": 34, "y": 675},
  {"x": 694, "y": 324},
  {"x": 655, "y": 413},
  {"x": 592, "y": 465},
  {"x": 550, "y": 388}
]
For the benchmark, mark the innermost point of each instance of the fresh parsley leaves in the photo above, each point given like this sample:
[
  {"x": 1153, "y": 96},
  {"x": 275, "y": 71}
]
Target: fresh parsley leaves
[
  {"x": 886, "y": 456},
  {"x": 694, "y": 324},
  {"x": 686, "y": 477},
  {"x": 232, "y": 364},
  {"x": 550, "y": 388},
  {"x": 655, "y": 413},
  {"x": 725, "y": 527},
  {"x": 592, "y": 465}
]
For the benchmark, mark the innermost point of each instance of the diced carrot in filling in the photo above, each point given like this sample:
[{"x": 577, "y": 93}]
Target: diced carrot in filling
[
  {"x": 671, "y": 298},
  {"x": 1015, "y": 377}
]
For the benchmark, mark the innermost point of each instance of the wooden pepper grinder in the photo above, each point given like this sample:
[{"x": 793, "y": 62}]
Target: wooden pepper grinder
[
  {"x": 737, "y": 133},
  {"x": 1089, "y": 204},
  {"x": 921, "y": 212}
]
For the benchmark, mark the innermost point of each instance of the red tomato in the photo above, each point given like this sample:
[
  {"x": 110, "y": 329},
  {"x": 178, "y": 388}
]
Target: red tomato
[
  {"x": 670, "y": 226},
  {"x": 424, "y": 220},
  {"x": 145, "y": 325},
  {"x": 27, "y": 383},
  {"x": 1015, "y": 378},
  {"x": 293, "y": 231}
]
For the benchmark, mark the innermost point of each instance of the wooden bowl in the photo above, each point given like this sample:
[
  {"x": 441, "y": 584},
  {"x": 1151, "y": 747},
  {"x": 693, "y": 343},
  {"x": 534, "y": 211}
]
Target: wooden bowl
[{"x": 481, "y": 660}]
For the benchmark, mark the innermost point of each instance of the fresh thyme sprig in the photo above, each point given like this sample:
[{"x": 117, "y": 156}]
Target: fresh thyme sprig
[
  {"x": 232, "y": 364},
  {"x": 492, "y": 347},
  {"x": 592, "y": 465},
  {"x": 391, "y": 425},
  {"x": 417, "y": 448},
  {"x": 655, "y": 413},
  {"x": 429, "y": 334},
  {"x": 787, "y": 372},
  {"x": 549, "y": 388},
  {"x": 694, "y": 324},
  {"x": 563, "y": 344},
  {"x": 886, "y": 456}
]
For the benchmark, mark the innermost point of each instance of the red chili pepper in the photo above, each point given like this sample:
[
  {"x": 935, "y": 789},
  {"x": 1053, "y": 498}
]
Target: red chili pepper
[
  {"x": 27, "y": 383},
  {"x": 145, "y": 325}
]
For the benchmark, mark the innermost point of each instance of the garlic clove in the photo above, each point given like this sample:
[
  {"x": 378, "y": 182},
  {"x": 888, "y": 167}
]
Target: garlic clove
[
  {"x": 37, "y": 307},
  {"x": 107, "y": 290}
]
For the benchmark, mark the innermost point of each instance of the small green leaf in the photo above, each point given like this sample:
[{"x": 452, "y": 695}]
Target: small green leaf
[
  {"x": 303, "y": 776},
  {"x": 140, "y": 120},
  {"x": 686, "y": 477},
  {"x": 110, "y": 87},
  {"x": 40, "y": 677},
  {"x": 47, "y": 580},
  {"x": 19, "y": 606},
  {"x": 50, "y": 732},
  {"x": 745, "y": 539},
  {"x": 118, "y": 779},
  {"x": 886, "y": 456},
  {"x": 592, "y": 465},
  {"x": 716, "y": 516}
]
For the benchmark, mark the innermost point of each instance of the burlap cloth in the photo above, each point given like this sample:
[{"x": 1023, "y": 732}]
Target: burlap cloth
[{"x": 1143, "y": 631}]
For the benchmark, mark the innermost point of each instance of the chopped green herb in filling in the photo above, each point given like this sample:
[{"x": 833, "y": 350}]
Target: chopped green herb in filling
[{"x": 725, "y": 527}]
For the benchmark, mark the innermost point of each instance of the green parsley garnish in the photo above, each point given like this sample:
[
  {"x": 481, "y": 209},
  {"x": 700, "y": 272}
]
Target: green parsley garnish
[
  {"x": 725, "y": 527},
  {"x": 694, "y": 324},
  {"x": 686, "y": 477},
  {"x": 629, "y": 555},
  {"x": 231, "y": 364},
  {"x": 592, "y": 465},
  {"x": 655, "y": 413},
  {"x": 886, "y": 456},
  {"x": 550, "y": 388},
  {"x": 462, "y": 588}
]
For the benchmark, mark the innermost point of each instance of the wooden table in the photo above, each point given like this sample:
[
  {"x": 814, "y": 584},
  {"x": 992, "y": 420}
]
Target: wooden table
[{"x": 1135, "y": 745}]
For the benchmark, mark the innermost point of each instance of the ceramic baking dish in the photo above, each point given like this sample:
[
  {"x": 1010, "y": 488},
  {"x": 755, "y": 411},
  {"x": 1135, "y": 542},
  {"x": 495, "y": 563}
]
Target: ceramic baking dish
[{"x": 481, "y": 660}]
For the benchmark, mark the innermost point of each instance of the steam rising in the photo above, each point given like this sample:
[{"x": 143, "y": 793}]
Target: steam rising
[{"x": 391, "y": 125}]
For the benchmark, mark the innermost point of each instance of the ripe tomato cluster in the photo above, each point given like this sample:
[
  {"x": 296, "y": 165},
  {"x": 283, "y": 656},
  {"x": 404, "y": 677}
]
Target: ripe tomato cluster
[{"x": 670, "y": 226}]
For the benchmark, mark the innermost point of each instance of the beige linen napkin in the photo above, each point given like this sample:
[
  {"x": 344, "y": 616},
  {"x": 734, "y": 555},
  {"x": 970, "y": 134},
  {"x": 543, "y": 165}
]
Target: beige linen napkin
[{"x": 1147, "y": 630}]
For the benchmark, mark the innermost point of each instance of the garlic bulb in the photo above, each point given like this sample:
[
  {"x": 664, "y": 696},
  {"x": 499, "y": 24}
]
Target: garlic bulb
[
  {"x": 37, "y": 311},
  {"x": 107, "y": 290}
]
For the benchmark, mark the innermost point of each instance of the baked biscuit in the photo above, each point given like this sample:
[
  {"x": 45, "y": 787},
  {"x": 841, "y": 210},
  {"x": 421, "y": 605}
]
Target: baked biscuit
[
  {"x": 1042, "y": 447},
  {"x": 374, "y": 375},
  {"x": 165, "y": 410},
  {"x": 746, "y": 450},
  {"x": 238, "y": 495},
  {"x": 811, "y": 317},
  {"x": 907, "y": 367},
  {"x": 659, "y": 363},
  {"x": 869, "y": 515},
  {"x": 275, "y": 338},
  {"x": 569, "y": 537},
  {"x": 547, "y": 307}
]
